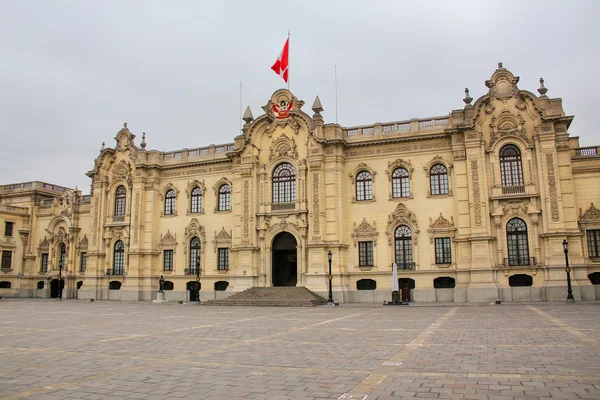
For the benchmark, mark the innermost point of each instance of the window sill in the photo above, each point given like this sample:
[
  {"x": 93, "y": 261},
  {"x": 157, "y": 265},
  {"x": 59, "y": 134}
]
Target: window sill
[
  {"x": 222, "y": 271},
  {"x": 439, "y": 196},
  {"x": 194, "y": 213},
  {"x": 366, "y": 267},
  {"x": 595, "y": 259},
  {"x": 6, "y": 269},
  {"x": 401, "y": 198},
  {"x": 222, "y": 211},
  {"x": 364, "y": 201},
  {"x": 168, "y": 215},
  {"x": 444, "y": 265},
  {"x": 169, "y": 272}
]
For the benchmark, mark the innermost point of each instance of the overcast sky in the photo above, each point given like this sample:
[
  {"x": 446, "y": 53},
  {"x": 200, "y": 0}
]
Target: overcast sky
[{"x": 72, "y": 72}]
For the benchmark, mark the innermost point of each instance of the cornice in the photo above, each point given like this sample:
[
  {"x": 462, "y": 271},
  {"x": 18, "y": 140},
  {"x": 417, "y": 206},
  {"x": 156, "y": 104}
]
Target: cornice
[{"x": 440, "y": 135}]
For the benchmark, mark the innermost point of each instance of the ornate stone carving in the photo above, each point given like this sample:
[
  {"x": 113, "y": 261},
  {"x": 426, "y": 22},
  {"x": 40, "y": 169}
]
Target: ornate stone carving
[
  {"x": 222, "y": 239},
  {"x": 283, "y": 147},
  {"x": 503, "y": 84},
  {"x": 552, "y": 188},
  {"x": 507, "y": 124},
  {"x": 441, "y": 226},
  {"x": 365, "y": 232},
  {"x": 44, "y": 245},
  {"x": 315, "y": 206},
  {"x": 167, "y": 241},
  {"x": 123, "y": 171},
  {"x": 514, "y": 209},
  {"x": 83, "y": 244},
  {"x": 193, "y": 229},
  {"x": 246, "y": 208},
  {"x": 401, "y": 216},
  {"x": 591, "y": 214},
  {"x": 398, "y": 163},
  {"x": 95, "y": 224},
  {"x": 283, "y": 224},
  {"x": 136, "y": 218},
  {"x": 476, "y": 192}
]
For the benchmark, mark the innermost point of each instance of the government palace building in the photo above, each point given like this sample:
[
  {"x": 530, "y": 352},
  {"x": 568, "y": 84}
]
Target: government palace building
[{"x": 472, "y": 206}]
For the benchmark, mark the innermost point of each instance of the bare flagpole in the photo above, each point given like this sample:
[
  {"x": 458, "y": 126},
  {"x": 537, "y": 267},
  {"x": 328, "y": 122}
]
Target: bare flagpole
[
  {"x": 241, "y": 116},
  {"x": 336, "y": 100},
  {"x": 288, "y": 59}
]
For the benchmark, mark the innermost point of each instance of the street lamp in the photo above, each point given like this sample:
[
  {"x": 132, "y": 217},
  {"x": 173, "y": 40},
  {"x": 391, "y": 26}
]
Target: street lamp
[
  {"x": 60, "y": 286},
  {"x": 570, "y": 298},
  {"x": 330, "y": 300},
  {"x": 198, "y": 276}
]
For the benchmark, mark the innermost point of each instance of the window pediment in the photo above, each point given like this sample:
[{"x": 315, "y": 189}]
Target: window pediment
[
  {"x": 590, "y": 217},
  {"x": 365, "y": 232},
  {"x": 401, "y": 216},
  {"x": 193, "y": 185},
  {"x": 283, "y": 147},
  {"x": 222, "y": 239},
  {"x": 441, "y": 226},
  {"x": 167, "y": 241},
  {"x": 398, "y": 163}
]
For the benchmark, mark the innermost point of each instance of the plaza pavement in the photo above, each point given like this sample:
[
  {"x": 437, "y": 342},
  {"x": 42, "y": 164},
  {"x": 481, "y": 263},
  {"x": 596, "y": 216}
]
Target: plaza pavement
[{"x": 72, "y": 349}]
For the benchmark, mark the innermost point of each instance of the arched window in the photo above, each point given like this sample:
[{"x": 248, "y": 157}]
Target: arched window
[
  {"x": 438, "y": 179},
  {"x": 284, "y": 184},
  {"x": 224, "y": 198},
  {"x": 403, "y": 242},
  {"x": 366, "y": 284},
  {"x": 120, "y": 197},
  {"x": 63, "y": 256},
  {"x": 400, "y": 183},
  {"x": 197, "y": 200},
  {"x": 511, "y": 168},
  {"x": 195, "y": 261},
  {"x": 119, "y": 258},
  {"x": 516, "y": 239},
  {"x": 170, "y": 198},
  {"x": 364, "y": 186}
]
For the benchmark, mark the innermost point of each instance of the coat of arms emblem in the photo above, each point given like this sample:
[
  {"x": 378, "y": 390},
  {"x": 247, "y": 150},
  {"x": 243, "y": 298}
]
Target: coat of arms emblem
[{"x": 282, "y": 110}]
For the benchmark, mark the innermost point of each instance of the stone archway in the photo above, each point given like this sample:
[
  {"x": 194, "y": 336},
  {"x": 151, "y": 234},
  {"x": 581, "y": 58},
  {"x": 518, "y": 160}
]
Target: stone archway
[{"x": 284, "y": 260}]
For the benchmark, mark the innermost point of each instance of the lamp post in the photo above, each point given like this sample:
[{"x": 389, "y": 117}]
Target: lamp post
[
  {"x": 198, "y": 276},
  {"x": 60, "y": 286},
  {"x": 330, "y": 300},
  {"x": 570, "y": 298}
]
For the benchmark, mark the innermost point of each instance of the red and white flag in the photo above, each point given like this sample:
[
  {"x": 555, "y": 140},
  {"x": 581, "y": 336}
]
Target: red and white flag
[{"x": 281, "y": 66}]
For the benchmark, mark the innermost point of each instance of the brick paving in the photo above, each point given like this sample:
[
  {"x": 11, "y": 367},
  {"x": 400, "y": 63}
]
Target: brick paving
[{"x": 71, "y": 349}]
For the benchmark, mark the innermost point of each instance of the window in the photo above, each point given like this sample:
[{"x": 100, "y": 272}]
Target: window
[
  {"x": 511, "y": 169},
  {"x": 438, "y": 180},
  {"x": 403, "y": 247},
  {"x": 114, "y": 285},
  {"x": 516, "y": 239},
  {"x": 520, "y": 280},
  {"x": 444, "y": 282},
  {"x": 225, "y": 198},
  {"x": 168, "y": 260},
  {"x": 364, "y": 186},
  {"x": 400, "y": 183},
  {"x": 442, "y": 251},
  {"x": 223, "y": 259},
  {"x": 221, "y": 285},
  {"x": 284, "y": 184},
  {"x": 8, "y": 228},
  {"x": 119, "y": 258},
  {"x": 62, "y": 261},
  {"x": 197, "y": 200},
  {"x": 83, "y": 262},
  {"x": 6, "y": 259},
  {"x": 168, "y": 285},
  {"x": 593, "y": 242},
  {"x": 170, "y": 198},
  {"x": 365, "y": 254},
  {"x": 120, "y": 197},
  {"x": 195, "y": 261},
  {"x": 40, "y": 284},
  {"x": 5, "y": 285},
  {"x": 44, "y": 263},
  {"x": 366, "y": 284}
]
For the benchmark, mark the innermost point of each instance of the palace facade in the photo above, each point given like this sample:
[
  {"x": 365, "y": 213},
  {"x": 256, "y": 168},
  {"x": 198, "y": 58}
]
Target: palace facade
[{"x": 470, "y": 206}]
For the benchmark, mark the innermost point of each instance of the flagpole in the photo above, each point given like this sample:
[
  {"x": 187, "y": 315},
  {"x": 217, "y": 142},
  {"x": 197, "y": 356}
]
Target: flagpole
[
  {"x": 241, "y": 106},
  {"x": 336, "y": 97},
  {"x": 288, "y": 71}
]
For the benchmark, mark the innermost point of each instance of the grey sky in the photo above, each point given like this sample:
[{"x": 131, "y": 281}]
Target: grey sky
[{"x": 73, "y": 71}]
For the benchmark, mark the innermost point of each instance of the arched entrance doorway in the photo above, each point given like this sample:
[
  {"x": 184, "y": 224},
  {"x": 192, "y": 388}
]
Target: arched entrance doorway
[
  {"x": 406, "y": 284},
  {"x": 55, "y": 288},
  {"x": 285, "y": 260}
]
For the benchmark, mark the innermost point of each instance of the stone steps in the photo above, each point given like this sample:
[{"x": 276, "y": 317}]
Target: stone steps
[{"x": 285, "y": 296}]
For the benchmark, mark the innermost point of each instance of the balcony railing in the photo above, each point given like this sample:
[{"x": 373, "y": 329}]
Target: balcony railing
[
  {"x": 406, "y": 266},
  {"x": 113, "y": 271},
  {"x": 519, "y": 261},
  {"x": 520, "y": 189},
  {"x": 586, "y": 152},
  {"x": 190, "y": 271},
  {"x": 283, "y": 206}
]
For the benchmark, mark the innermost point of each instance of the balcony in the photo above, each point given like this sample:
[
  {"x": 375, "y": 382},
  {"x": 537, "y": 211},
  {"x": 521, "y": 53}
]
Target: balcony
[
  {"x": 503, "y": 192},
  {"x": 586, "y": 152},
  {"x": 513, "y": 189},
  {"x": 406, "y": 266},
  {"x": 190, "y": 271},
  {"x": 519, "y": 262},
  {"x": 283, "y": 206}
]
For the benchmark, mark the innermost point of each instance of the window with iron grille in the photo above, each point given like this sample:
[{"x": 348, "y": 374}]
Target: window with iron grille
[
  {"x": 284, "y": 184},
  {"x": 6, "y": 259},
  {"x": 438, "y": 179},
  {"x": 516, "y": 239},
  {"x": 400, "y": 183},
  {"x": 593, "y": 242},
  {"x": 8, "y": 228},
  {"x": 225, "y": 198},
  {"x": 365, "y": 254},
  {"x": 120, "y": 199},
  {"x": 197, "y": 200},
  {"x": 511, "y": 168},
  {"x": 403, "y": 247},
  {"x": 83, "y": 262},
  {"x": 44, "y": 263},
  {"x": 364, "y": 186},
  {"x": 194, "y": 255},
  {"x": 168, "y": 260},
  {"x": 443, "y": 251},
  {"x": 223, "y": 259},
  {"x": 119, "y": 258},
  {"x": 170, "y": 198}
]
